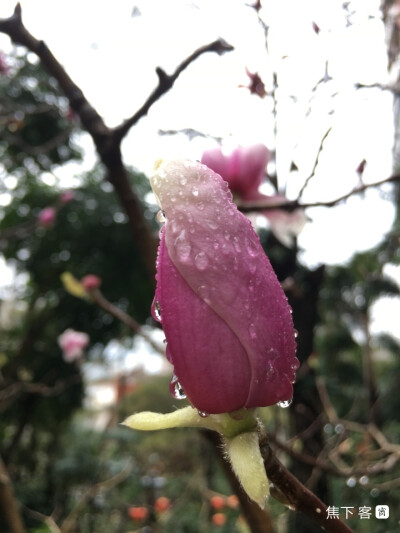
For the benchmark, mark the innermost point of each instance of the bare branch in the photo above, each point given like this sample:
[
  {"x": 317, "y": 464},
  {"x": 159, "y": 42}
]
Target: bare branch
[
  {"x": 291, "y": 205},
  {"x": 126, "y": 319},
  {"x": 315, "y": 164},
  {"x": 8, "y": 502},
  {"x": 294, "y": 494},
  {"x": 108, "y": 140},
  {"x": 165, "y": 83},
  {"x": 69, "y": 522}
]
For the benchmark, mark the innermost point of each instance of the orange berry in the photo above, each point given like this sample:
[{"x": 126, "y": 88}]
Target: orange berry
[
  {"x": 218, "y": 519},
  {"x": 232, "y": 501},
  {"x": 138, "y": 513},
  {"x": 162, "y": 504},
  {"x": 217, "y": 502}
]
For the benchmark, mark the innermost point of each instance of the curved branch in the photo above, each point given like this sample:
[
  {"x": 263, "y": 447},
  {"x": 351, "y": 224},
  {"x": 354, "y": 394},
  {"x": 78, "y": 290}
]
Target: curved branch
[
  {"x": 294, "y": 494},
  {"x": 108, "y": 140},
  {"x": 166, "y": 81}
]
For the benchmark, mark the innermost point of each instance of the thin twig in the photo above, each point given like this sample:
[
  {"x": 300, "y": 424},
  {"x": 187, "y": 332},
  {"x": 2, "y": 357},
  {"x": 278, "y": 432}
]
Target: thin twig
[
  {"x": 126, "y": 319},
  {"x": 165, "y": 83},
  {"x": 315, "y": 164},
  {"x": 69, "y": 522},
  {"x": 291, "y": 205}
]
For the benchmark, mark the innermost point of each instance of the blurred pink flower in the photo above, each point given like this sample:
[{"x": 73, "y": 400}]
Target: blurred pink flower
[
  {"x": 72, "y": 344},
  {"x": 67, "y": 196},
  {"x": 90, "y": 282},
  {"x": 244, "y": 170},
  {"x": 47, "y": 216},
  {"x": 4, "y": 68},
  {"x": 226, "y": 319}
]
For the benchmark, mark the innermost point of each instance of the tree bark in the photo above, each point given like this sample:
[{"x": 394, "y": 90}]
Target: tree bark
[{"x": 8, "y": 502}]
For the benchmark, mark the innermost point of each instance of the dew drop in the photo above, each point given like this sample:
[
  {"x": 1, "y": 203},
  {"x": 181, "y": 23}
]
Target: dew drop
[
  {"x": 203, "y": 414},
  {"x": 296, "y": 333},
  {"x": 212, "y": 224},
  {"x": 195, "y": 191},
  {"x": 176, "y": 389},
  {"x": 204, "y": 292},
  {"x": 251, "y": 248},
  {"x": 236, "y": 244},
  {"x": 351, "y": 482},
  {"x": 285, "y": 403},
  {"x": 157, "y": 311},
  {"x": 183, "y": 247},
  {"x": 252, "y": 332},
  {"x": 295, "y": 365},
  {"x": 252, "y": 268},
  {"x": 160, "y": 216},
  {"x": 201, "y": 261},
  {"x": 270, "y": 372}
]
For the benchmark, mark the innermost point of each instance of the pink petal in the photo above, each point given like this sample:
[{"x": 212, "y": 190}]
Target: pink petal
[
  {"x": 243, "y": 169},
  {"x": 216, "y": 252},
  {"x": 196, "y": 337}
]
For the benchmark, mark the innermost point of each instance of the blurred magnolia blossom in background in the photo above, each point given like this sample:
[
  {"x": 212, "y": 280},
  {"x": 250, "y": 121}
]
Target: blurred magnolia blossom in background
[
  {"x": 72, "y": 344},
  {"x": 67, "y": 196},
  {"x": 3, "y": 64},
  {"x": 245, "y": 169},
  {"x": 47, "y": 217}
]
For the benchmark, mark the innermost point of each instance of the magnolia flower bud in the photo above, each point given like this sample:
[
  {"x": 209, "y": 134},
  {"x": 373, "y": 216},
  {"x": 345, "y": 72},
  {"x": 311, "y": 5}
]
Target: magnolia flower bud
[{"x": 226, "y": 319}]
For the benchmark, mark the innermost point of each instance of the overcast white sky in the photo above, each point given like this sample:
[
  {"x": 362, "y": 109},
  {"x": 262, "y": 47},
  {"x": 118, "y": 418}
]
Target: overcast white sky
[{"x": 112, "y": 49}]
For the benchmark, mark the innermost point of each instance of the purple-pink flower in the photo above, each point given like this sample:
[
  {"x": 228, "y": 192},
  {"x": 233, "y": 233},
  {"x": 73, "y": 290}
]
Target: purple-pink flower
[
  {"x": 91, "y": 282},
  {"x": 4, "y": 68},
  {"x": 226, "y": 319},
  {"x": 73, "y": 344},
  {"x": 244, "y": 170},
  {"x": 67, "y": 196},
  {"x": 47, "y": 217}
]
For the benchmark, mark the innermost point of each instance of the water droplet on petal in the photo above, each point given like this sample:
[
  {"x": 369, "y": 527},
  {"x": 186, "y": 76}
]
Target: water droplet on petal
[
  {"x": 252, "y": 268},
  {"x": 212, "y": 224},
  {"x": 201, "y": 261},
  {"x": 183, "y": 247},
  {"x": 236, "y": 244},
  {"x": 251, "y": 248},
  {"x": 296, "y": 333},
  {"x": 270, "y": 372},
  {"x": 195, "y": 191},
  {"x": 176, "y": 389},
  {"x": 295, "y": 364},
  {"x": 252, "y": 331},
  {"x": 204, "y": 292},
  {"x": 157, "y": 311},
  {"x": 203, "y": 414},
  {"x": 160, "y": 216},
  {"x": 285, "y": 403}
]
